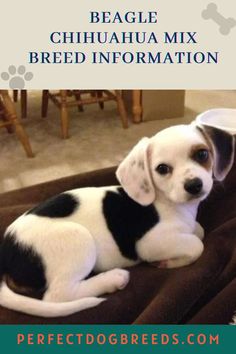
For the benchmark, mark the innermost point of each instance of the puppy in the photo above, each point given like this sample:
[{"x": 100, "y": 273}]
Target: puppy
[{"x": 151, "y": 217}]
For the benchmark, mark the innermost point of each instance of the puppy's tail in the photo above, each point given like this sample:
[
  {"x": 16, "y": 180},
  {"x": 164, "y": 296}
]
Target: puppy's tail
[{"x": 41, "y": 308}]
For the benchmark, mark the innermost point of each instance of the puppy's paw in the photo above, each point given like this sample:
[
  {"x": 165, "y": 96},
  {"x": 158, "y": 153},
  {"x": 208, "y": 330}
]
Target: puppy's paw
[
  {"x": 173, "y": 263},
  {"x": 117, "y": 278},
  {"x": 162, "y": 264}
]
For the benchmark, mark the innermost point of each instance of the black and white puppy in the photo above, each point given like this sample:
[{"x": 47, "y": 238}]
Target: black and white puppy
[{"x": 150, "y": 217}]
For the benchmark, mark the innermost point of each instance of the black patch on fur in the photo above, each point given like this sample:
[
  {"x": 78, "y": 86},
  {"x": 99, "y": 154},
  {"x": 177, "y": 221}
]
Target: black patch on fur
[
  {"x": 224, "y": 146},
  {"x": 223, "y": 143},
  {"x": 127, "y": 220},
  {"x": 22, "y": 264},
  {"x": 60, "y": 206}
]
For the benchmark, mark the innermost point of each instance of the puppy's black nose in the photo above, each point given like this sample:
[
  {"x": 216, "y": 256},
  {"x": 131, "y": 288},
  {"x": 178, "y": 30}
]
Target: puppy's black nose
[{"x": 193, "y": 186}]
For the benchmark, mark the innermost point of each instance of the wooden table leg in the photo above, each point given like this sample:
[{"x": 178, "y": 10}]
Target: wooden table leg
[{"x": 137, "y": 106}]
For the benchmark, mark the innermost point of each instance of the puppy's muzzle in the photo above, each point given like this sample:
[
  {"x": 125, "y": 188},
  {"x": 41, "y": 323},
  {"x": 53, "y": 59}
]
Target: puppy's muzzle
[{"x": 193, "y": 186}]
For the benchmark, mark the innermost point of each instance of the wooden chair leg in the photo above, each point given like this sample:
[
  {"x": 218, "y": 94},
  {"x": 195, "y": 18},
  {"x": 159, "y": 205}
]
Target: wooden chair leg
[
  {"x": 78, "y": 98},
  {"x": 44, "y": 108},
  {"x": 23, "y": 100},
  {"x": 99, "y": 94},
  {"x": 64, "y": 115},
  {"x": 137, "y": 106},
  {"x": 121, "y": 109},
  {"x": 9, "y": 128},
  {"x": 15, "y": 95},
  {"x": 11, "y": 115}
]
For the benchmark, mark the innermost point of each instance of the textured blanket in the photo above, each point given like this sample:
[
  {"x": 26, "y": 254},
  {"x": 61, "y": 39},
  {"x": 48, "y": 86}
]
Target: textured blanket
[{"x": 202, "y": 293}]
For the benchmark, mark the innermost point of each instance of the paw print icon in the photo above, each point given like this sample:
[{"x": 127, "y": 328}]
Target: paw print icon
[{"x": 17, "y": 76}]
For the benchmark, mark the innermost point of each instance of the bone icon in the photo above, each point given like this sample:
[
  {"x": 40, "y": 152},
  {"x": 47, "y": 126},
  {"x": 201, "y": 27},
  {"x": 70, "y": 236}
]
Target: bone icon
[{"x": 226, "y": 24}]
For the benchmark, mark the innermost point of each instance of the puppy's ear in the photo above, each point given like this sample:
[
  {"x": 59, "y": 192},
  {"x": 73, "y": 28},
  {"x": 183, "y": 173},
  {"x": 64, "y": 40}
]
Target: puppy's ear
[
  {"x": 223, "y": 146},
  {"x": 134, "y": 175}
]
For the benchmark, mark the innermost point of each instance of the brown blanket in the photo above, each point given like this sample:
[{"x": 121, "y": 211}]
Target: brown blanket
[{"x": 204, "y": 292}]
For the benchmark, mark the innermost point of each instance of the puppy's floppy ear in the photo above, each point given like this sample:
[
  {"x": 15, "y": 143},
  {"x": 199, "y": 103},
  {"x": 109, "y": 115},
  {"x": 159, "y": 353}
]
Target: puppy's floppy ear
[
  {"x": 134, "y": 175},
  {"x": 223, "y": 145}
]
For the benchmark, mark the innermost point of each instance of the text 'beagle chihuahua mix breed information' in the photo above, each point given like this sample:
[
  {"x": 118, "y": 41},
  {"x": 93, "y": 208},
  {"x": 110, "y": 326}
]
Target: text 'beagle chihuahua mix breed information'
[{"x": 122, "y": 45}]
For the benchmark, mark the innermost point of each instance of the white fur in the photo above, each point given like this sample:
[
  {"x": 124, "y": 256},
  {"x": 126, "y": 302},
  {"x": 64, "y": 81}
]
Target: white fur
[
  {"x": 71, "y": 247},
  {"x": 134, "y": 172},
  {"x": 233, "y": 321}
]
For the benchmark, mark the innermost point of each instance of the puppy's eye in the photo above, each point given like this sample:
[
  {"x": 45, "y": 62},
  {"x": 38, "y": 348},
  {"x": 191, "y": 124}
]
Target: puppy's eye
[
  {"x": 163, "y": 169},
  {"x": 201, "y": 155}
]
